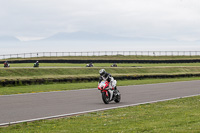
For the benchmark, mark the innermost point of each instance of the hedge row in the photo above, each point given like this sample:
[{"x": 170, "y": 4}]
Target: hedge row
[{"x": 90, "y": 78}]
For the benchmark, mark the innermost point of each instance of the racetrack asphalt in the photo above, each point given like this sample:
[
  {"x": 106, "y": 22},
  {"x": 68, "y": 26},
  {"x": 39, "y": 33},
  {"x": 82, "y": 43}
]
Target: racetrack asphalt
[{"x": 35, "y": 106}]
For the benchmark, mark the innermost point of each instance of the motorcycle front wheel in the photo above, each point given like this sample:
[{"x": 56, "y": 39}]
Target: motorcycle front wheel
[{"x": 105, "y": 98}]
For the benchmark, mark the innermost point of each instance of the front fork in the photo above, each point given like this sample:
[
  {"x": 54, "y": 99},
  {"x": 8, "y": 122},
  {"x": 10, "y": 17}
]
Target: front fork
[
  {"x": 110, "y": 92},
  {"x": 105, "y": 92}
]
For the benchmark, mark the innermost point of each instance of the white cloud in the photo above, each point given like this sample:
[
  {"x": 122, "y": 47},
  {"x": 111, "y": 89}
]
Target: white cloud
[{"x": 171, "y": 19}]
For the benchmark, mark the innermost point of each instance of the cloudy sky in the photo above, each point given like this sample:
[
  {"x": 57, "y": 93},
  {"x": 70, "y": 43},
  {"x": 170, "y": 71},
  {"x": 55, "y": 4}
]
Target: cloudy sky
[{"x": 27, "y": 20}]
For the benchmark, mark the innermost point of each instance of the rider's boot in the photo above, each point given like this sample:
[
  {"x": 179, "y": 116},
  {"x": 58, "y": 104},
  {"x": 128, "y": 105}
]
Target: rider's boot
[
  {"x": 115, "y": 87},
  {"x": 115, "y": 90}
]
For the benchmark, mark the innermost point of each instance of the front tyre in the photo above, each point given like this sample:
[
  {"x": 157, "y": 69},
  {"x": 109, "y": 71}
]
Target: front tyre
[{"x": 105, "y": 98}]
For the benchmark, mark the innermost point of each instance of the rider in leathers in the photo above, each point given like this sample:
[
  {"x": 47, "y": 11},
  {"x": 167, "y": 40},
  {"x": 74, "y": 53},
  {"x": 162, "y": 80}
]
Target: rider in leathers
[
  {"x": 106, "y": 76},
  {"x": 6, "y": 64}
]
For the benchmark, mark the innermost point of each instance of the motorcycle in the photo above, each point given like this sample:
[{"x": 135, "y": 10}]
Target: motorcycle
[
  {"x": 114, "y": 65},
  {"x": 89, "y": 65},
  {"x": 109, "y": 94},
  {"x": 36, "y": 65},
  {"x": 6, "y": 65}
]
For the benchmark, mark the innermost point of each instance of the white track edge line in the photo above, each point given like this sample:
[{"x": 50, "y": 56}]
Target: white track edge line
[{"x": 89, "y": 111}]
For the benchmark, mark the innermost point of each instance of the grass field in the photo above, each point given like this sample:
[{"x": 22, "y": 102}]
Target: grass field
[
  {"x": 74, "y": 86},
  {"x": 180, "y": 115},
  {"x": 25, "y": 76},
  {"x": 27, "y": 72}
]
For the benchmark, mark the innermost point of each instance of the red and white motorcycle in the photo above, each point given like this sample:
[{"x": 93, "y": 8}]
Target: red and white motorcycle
[{"x": 109, "y": 93}]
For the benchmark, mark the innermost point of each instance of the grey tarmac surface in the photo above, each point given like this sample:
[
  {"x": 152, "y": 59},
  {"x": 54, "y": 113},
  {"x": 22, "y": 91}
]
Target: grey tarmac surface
[{"x": 25, "y": 107}]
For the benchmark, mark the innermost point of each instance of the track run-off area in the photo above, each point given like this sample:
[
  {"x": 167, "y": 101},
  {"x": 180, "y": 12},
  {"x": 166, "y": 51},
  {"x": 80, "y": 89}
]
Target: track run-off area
[{"x": 46, "y": 105}]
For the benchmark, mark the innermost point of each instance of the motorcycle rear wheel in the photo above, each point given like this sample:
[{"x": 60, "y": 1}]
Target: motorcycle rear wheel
[{"x": 105, "y": 98}]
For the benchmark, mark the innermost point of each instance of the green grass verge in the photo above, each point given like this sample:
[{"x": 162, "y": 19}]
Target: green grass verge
[
  {"x": 103, "y": 64},
  {"x": 53, "y": 72},
  {"x": 180, "y": 115},
  {"x": 118, "y": 57},
  {"x": 75, "y": 86}
]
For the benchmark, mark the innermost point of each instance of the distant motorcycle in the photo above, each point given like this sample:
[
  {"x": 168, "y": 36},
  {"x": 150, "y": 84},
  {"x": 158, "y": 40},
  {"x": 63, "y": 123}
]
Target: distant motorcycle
[
  {"x": 109, "y": 94},
  {"x": 6, "y": 65},
  {"x": 89, "y": 65},
  {"x": 114, "y": 65},
  {"x": 36, "y": 65}
]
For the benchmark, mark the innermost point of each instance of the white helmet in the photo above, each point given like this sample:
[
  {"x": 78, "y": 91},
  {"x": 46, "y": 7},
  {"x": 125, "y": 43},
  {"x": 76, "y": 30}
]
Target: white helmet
[{"x": 102, "y": 71}]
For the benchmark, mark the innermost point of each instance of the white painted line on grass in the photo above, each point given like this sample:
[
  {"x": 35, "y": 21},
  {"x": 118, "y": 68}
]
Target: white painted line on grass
[{"x": 89, "y": 111}]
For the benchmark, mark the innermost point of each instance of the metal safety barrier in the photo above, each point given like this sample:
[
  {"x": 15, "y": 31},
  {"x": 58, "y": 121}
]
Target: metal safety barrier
[{"x": 101, "y": 53}]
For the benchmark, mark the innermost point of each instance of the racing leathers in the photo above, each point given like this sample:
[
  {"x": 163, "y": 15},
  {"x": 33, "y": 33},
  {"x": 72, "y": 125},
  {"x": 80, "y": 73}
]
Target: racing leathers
[{"x": 107, "y": 77}]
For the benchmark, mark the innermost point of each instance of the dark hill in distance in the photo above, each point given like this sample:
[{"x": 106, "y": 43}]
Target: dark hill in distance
[
  {"x": 8, "y": 39},
  {"x": 89, "y": 36},
  {"x": 83, "y": 36}
]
